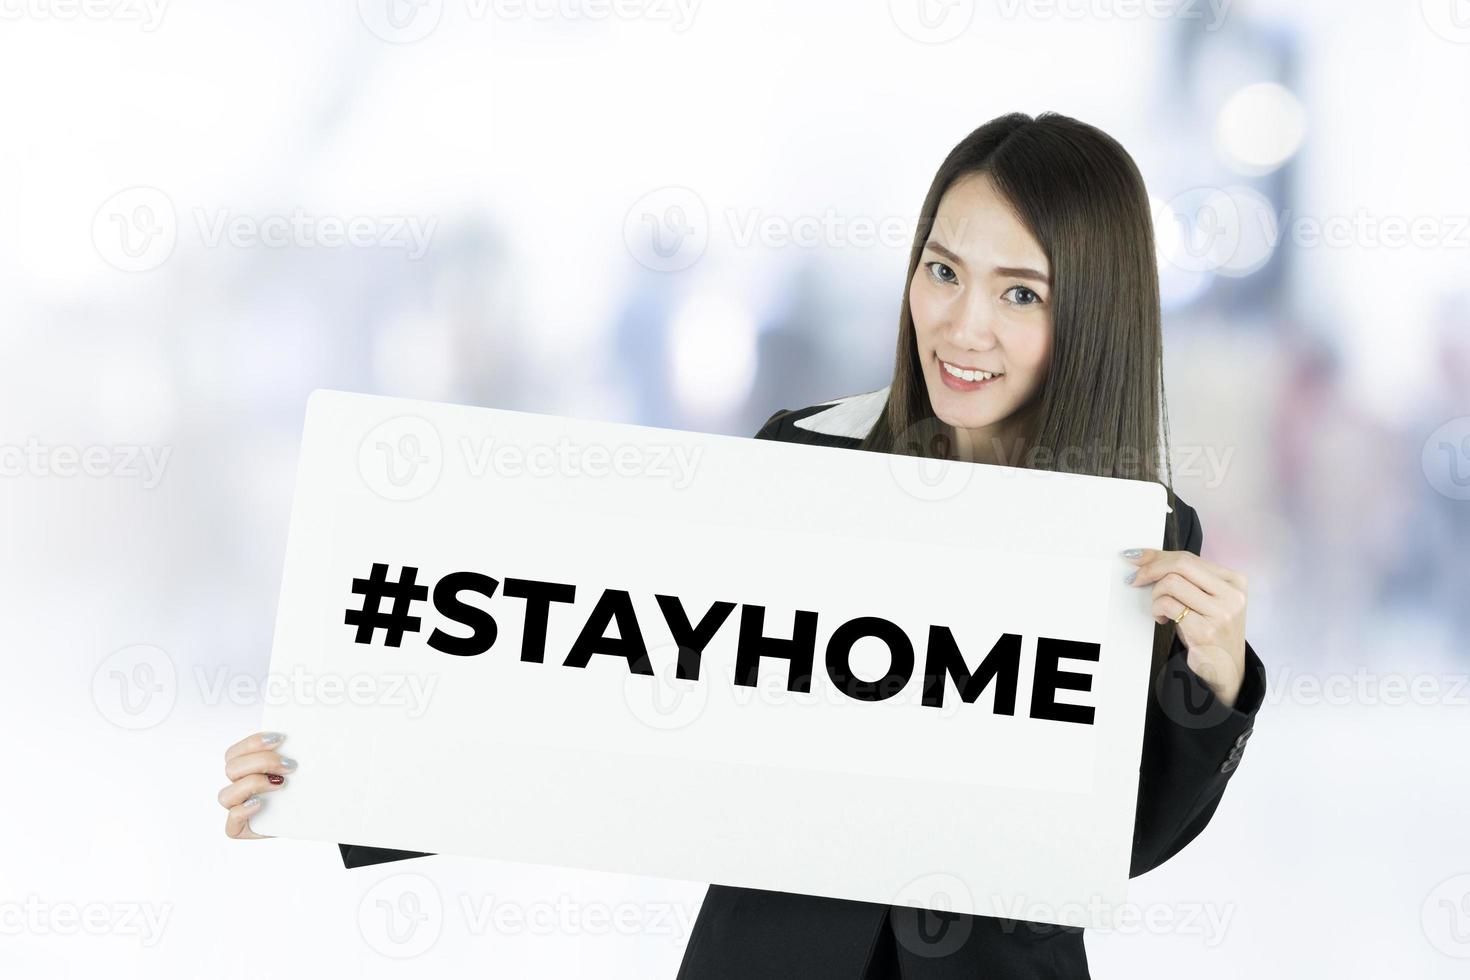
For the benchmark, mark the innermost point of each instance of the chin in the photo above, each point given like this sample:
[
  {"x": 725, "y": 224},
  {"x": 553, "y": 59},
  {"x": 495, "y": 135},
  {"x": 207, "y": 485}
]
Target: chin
[
  {"x": 945, "y": 411},
  {"x": 967, "y": 421}
]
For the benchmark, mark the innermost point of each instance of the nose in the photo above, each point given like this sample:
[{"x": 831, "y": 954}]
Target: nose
[{"x": 971, "y": 325}]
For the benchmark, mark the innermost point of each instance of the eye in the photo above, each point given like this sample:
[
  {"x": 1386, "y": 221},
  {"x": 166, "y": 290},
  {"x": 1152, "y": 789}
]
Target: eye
[
  {"x": 1022, "y": 296},
  {"x": 940, "y": 272}
]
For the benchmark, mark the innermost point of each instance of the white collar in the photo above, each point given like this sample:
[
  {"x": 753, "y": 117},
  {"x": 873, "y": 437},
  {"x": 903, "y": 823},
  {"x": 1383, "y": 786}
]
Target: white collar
[{"x": 851, "y": 417}]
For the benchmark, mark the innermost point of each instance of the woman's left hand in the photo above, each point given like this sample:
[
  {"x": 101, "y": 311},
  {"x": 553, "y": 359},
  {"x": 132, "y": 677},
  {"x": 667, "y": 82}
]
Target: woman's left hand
[{"x": 1214, "y": 630}]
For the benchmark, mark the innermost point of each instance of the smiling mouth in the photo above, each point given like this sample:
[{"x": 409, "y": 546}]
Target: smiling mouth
[
  {"x": 965, "y": 379},
  {"x": 968, "y": 374}
]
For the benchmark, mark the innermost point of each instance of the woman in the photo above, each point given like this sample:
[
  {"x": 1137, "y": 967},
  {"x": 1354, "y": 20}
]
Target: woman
[{"x": 1029, "y": 336}]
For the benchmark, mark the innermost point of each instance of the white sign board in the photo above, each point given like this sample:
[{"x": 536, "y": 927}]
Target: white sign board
[{"x": 893, "y": 668}]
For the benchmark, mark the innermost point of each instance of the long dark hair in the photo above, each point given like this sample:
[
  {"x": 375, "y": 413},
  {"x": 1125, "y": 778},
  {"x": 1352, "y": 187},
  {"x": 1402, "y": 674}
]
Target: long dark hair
[{"x": 1100, "y": 409}]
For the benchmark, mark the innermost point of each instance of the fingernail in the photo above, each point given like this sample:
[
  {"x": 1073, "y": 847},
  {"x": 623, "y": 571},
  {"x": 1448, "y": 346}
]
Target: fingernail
[
  {"x": 274, "y": 779},
  {"x": 287, "y": 763},
  {"x": 1132, "y": 552},
  {"x": 1131, "y": 576},
  {"x": 253, "y": 801},
  {"x": 271, "y": 738}
]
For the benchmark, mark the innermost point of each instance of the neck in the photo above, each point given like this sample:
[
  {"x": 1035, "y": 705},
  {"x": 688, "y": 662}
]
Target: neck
[
  {"x": 1002, "y": 443},
  {"x": 980, "y": 446}
]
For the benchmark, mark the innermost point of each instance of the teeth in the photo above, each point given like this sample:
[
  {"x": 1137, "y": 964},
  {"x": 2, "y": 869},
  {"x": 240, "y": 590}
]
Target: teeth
[{"x": 968, "y": 375}]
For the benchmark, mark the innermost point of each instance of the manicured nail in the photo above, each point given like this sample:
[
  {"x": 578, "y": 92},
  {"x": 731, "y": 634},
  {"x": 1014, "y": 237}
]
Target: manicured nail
[
  {"x": 274, "y": 779},
  {"x": 287, "y": 763},
  {"x": 1133, "y": 553},
  {"x": 271, "y": 738},
  {"x": 1131, "y": 576},
  {"x": 253, "y": 801}
]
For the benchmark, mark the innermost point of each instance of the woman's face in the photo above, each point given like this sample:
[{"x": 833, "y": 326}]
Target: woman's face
[{"x": 980, "y": 301}]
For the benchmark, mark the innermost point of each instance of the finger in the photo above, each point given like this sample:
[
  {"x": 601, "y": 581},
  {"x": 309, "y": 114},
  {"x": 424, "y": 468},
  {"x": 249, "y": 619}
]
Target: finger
[
  {"x": 244, "y": 765},
  {"x": 1178, "y": 587},
  {"x": 254, "y": 784},
  {"x": 1147, "y": 555},
  {"x": 1204, "y": 577},
  {"x": 1227, "y": 575},
  {"x": 237, "y": 824},
  {"x": 254, "y": 743},
  {"x": 1186, "y": 564},
  {"x": 1167, "y": 607}
]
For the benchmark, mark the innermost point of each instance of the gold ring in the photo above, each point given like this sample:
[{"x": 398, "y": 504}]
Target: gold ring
[{"x": 1181, "y": 616}]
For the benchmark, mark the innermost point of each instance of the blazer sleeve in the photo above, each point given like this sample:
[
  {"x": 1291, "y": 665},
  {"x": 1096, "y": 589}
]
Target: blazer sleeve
[
  {"x": 772, "y": 427},
  {"x": 1192, "y": 745},
  {"x": 357, "y": 856}
]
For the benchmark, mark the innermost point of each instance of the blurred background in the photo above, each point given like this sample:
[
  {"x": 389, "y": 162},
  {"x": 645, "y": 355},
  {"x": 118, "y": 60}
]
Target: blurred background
[{"x": 690, "y": 214}]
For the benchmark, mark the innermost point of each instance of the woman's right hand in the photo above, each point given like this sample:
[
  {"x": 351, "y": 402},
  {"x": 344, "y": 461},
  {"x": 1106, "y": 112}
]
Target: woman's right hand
[{"x": 254, "y": 768}]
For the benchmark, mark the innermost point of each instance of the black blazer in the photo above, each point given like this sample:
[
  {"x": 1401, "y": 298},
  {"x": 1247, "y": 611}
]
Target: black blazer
[{"x": 1192, "y": 745}]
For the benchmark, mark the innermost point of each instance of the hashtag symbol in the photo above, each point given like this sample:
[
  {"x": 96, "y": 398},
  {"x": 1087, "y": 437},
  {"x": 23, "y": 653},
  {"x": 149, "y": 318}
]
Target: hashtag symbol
[{"x": 374, "y": 589}]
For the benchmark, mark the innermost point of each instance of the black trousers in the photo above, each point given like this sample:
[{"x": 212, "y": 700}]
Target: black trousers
[{"x": 884, "y": 965}]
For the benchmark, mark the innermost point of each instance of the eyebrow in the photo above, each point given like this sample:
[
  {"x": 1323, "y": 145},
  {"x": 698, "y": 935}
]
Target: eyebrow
[{"x": 1016, "y": 272}]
